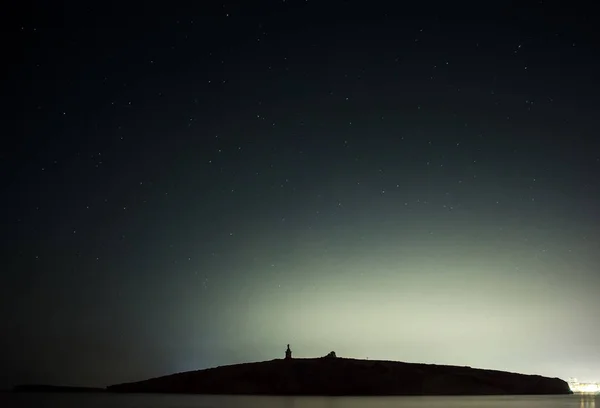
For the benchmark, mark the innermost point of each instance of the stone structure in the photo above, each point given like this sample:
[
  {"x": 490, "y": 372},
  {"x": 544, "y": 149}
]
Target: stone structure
[{"x": 288, "y": 353}]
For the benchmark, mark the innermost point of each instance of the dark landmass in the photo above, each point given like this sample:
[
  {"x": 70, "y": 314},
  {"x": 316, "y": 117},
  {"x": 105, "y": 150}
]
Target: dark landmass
[
  {"x": 54, "y": 388},
  {"x": 331, "y": 376}
]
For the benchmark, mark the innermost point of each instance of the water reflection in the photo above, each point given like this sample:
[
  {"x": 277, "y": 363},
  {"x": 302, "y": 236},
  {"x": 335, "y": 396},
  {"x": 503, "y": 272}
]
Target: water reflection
[
  {"x": 588, "y": 401},
  {"x": 289, "y": 402}
]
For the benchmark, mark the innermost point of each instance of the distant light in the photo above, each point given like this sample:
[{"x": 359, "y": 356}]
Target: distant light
[{"x": 587, "y": 388}]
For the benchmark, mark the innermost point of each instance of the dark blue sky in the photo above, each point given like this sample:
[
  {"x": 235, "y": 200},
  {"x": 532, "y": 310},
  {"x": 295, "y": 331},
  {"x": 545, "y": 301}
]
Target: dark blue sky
[{"x": 197, "y": 186}]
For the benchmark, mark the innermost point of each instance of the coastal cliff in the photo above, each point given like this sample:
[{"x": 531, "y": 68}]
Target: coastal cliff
[{"x": 343, "y": 376}]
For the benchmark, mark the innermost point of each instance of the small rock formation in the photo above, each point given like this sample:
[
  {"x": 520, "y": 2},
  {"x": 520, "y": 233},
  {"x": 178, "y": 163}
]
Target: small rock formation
[
  {"x": 288, "y": 353},
  {"x": 331, "y": 354}
]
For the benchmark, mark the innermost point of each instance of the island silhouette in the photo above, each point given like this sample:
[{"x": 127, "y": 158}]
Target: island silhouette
[
  {"x": 334, "y": 376},
  {"x": 55, "y": 388}
]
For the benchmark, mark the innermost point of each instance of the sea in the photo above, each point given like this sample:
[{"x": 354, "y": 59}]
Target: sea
[{"x": 100, "y": 400}]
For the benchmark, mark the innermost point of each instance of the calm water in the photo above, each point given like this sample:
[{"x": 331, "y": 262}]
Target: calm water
[{"x": 189, "y": 401}]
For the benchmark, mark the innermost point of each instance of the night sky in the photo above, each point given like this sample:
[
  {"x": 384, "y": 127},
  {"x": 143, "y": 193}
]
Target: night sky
[{"x": 188, "y": 187}]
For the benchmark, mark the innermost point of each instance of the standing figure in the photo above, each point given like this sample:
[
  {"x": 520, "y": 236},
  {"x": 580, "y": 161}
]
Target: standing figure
[{"x": 288, "y": 353}]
